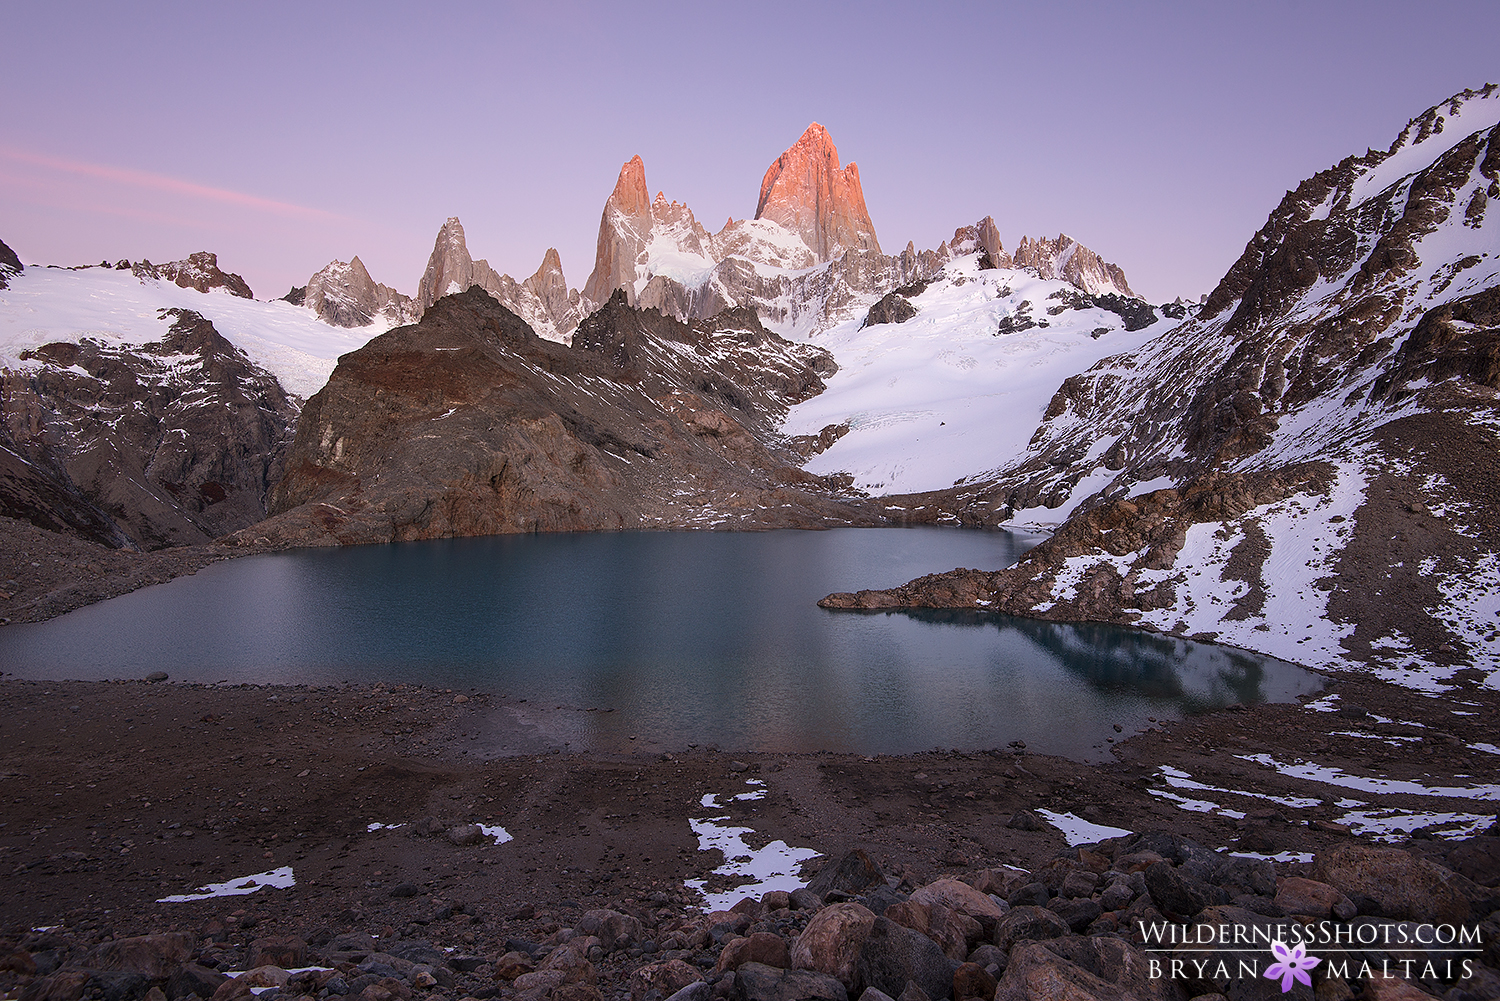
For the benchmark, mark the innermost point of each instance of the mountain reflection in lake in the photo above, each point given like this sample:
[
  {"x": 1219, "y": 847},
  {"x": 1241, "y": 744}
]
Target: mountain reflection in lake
[{"x": 689, "y": 637}]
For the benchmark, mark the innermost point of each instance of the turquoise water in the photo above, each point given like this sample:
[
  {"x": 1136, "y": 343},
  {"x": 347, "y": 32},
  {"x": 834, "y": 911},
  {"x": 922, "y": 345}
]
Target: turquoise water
[{"x": 688, "y": 637}]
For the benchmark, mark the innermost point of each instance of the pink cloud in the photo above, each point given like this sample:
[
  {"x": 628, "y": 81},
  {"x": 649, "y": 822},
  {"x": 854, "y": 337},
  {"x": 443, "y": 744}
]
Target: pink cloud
[{"x": 170, "y": 185}]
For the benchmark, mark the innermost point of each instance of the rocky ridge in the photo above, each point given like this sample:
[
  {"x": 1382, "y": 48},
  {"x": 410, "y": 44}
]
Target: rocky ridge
[
  {"x": 468, "y": 423},
  {"x": 544, "y": 299},
  {"x": 1074, "y": 263},
  {"x": 1304, "y": 467},
  {"x": 168, "y": 443},
  {"x": 806, "y": 262}
]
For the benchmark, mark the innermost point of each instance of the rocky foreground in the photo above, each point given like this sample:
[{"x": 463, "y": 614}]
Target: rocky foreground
[{"x": 376, "y": 819}]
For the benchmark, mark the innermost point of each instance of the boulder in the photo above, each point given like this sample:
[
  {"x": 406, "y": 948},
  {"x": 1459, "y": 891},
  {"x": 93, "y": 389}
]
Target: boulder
[
  {"x": 1080, "y": 969},
  {"x": 192, "y": 979},
  {"x": 892, "y": 956},
  {"x": 668, "y": 976},
  {"x": 971, "y": 982},
  {"x": 960, "y": 897},
  {"x": 1025, "y": 924},
  {"x": 285, "y": 951},
  {"x": 762, "y": 947},
  {"x": 832, "y": 941},
  {"x": 853, "y": 873},
  {"x": 615, "y": 930},
  {"x": 1393, "y": 883},
  {"x": 1176, "y": 891},
  {"x": 1312, "y": 899},
  {"x": 757, "y": 982},
  {"x": 154, "y": 957}
]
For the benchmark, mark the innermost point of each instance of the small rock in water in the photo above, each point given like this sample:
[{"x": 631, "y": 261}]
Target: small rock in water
[{"x": 156, "y": 676}]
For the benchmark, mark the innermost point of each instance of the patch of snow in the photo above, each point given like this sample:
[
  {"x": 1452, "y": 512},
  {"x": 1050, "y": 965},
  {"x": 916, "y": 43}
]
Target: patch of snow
[
  {"x": 758, "y": 871},
  {"x": 1077, "y": 831},
  {"x": 1395, "y": 824},
  {"x": 281, "y": 879},
  {"x": 498, "y": 834},
  {"x": 1338, "y": 777}
]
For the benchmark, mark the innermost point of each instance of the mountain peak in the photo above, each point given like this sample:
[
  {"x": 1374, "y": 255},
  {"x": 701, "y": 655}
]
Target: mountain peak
[
  {"x": 807, "y": 192},
  {"x": 631, "y": 197}
]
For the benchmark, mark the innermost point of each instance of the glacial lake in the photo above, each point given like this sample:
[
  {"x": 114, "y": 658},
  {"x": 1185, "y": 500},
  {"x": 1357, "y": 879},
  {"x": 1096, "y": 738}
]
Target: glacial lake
[{"x": 670, "y": 638}]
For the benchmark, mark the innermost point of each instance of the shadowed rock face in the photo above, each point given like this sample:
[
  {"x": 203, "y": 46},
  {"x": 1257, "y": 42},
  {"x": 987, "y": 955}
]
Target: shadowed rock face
[
  {"x": 467, "y": 423},
  {"x": 10, "y": 264},
  {"x": 171, "y": 443},
  {"x": 807, "y": 192}
]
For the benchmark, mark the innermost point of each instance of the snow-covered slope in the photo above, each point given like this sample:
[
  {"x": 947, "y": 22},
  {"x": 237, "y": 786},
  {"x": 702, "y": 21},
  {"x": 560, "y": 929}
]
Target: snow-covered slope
[
  {"x": 1307, "y": 467},
  {"x": 958, "y": 389},
  {"x": 114, "y": 307}
]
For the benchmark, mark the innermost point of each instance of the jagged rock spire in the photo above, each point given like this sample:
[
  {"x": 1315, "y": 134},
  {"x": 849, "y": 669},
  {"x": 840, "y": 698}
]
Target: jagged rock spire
[{"x": 807, "y": 192}]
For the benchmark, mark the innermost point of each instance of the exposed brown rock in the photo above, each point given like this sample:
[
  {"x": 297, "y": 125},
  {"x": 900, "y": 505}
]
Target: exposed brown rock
[{"x": 469, "y": 424}]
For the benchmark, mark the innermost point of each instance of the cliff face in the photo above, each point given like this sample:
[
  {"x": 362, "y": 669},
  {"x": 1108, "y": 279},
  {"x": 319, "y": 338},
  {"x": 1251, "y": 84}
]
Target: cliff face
[
  {"x": 806, "y": 192},
  {"x": 146, "y": 446},
  {"x": 1306, "y": 468},
  {"x": 467, "y": 423}
]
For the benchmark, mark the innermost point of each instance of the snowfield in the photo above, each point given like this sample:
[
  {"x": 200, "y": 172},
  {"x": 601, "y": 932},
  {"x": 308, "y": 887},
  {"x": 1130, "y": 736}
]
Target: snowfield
[
  {"x": 945, "y": 396},
  {"x": 43, "y": 305}
]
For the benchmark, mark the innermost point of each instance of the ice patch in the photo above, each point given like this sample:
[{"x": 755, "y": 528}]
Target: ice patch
[
  {"x": 280, "y": 878},
  {"x": 499, "y": 834},
  {"x": 1077, "y": 831},
  {"x": 377, "y": 826}
]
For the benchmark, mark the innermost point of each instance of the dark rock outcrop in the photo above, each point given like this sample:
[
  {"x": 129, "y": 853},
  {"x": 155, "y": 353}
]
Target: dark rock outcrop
[
  {"x": 10, "y": 265},
  {"x": 169, "y": 443},
  {"x": 467, "y": 423},
  {"x": 201, "y": 271}
]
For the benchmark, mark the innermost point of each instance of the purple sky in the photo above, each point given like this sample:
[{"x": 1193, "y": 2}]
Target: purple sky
[{"x": 282, "y": 136}]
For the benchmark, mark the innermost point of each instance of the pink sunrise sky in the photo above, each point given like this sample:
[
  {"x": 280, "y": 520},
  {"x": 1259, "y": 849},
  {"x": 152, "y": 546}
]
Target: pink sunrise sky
[{"x": 282, "y": 136}]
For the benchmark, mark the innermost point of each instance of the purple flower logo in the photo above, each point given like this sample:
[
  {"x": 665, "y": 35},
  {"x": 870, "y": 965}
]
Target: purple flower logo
[{"x": 1292, "y": 964}]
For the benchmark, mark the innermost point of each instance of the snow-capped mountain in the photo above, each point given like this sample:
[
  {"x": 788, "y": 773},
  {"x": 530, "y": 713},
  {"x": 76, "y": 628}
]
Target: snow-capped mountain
[
  {"x": 346, "y": 296},
  {"x": 1305, "y": 468},
  {"x": 808, "y": 261}
]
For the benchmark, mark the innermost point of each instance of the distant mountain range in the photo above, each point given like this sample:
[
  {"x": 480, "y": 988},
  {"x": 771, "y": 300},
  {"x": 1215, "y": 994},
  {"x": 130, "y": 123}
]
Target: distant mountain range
[{"x": 1302, "y": 464}]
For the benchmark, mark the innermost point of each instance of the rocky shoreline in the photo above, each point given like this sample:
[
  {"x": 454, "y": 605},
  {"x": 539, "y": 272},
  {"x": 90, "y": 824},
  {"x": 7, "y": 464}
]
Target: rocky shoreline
[{"x": 385, "y": 806}]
